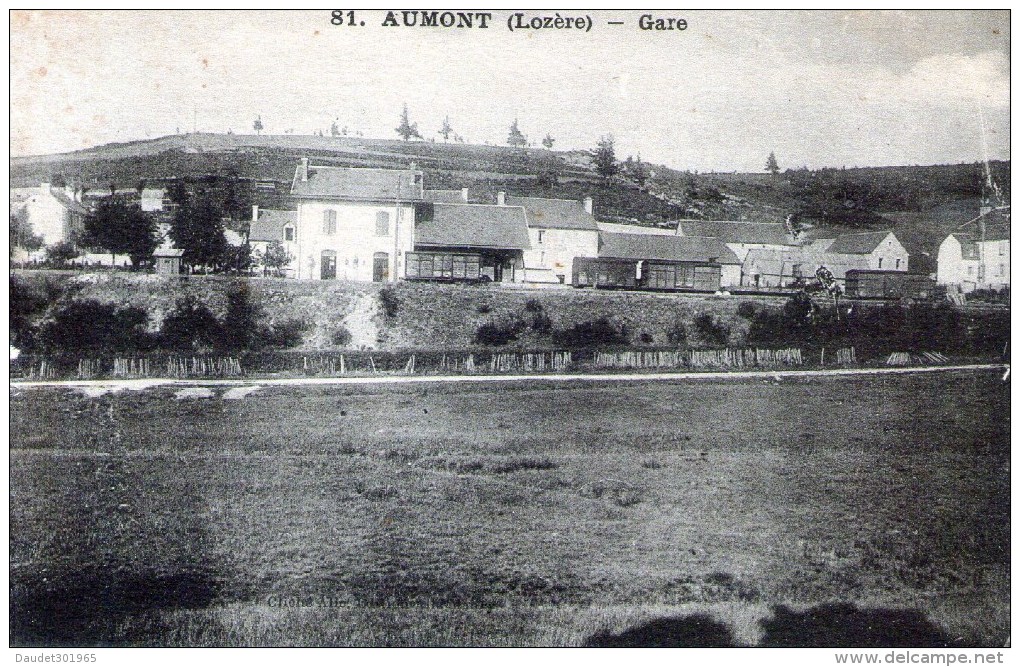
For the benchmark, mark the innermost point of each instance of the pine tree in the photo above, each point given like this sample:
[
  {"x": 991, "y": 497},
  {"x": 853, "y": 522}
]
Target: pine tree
[
  {"x": 257, "y": 125},
  {"x": 446, "y": 130},
  {"x": 604, "y": 157},
  {"x": 407, "y": 129},
  {"x": 548, "y": 141},
  {"x": 771, "y": 165},
  {"x": 516, "y": 137}
]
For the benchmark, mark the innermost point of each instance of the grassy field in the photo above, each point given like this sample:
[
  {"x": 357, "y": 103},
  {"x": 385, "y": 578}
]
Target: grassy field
[{"x": 842, "y": 511}]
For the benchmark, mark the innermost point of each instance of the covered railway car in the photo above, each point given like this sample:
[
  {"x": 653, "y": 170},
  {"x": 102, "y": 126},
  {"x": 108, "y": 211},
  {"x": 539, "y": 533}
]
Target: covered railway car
[
  {"x": 444, "y": 267},
  {"x": 608, "y": 273},
  {"x": 869, "y": 284}
]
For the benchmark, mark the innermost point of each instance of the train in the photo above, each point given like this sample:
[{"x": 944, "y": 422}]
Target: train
[
  {"x": 647, "y": 274},
  {"x": 872, "y": 284},
  {"x": 445, "y": 267}
]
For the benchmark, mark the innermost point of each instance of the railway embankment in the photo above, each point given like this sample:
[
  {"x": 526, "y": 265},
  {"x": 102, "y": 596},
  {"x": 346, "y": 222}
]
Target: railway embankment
[{"x": 106, "y": 324}]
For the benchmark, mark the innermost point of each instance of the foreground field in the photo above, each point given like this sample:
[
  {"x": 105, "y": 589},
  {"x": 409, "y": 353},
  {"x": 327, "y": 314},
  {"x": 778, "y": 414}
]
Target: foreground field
[{"x": 842, "y": 511}]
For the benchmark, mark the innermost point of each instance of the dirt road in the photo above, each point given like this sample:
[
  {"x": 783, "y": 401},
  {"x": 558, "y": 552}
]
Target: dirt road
[{"x": 146, "y": 383}]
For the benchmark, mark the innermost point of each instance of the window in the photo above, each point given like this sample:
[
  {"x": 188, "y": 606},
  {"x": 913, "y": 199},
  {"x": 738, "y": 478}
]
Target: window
[
  {"x": 1002, "y": 269},
  {"x": 897, "y": 264},
  {"x": 329, "y": 223},
  {"x": 288, "y": 233},
  {"x": 970, "y": 270},
  {"x": 541, "y": 235},
  {"x": 880, "y": 262},
  {"x": 1002, "y": 248},
  {"x": 382, "y": 223}
]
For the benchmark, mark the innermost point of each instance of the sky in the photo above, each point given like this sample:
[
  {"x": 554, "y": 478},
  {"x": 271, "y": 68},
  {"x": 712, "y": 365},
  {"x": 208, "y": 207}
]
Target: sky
[{"x": 840, "y": 88}]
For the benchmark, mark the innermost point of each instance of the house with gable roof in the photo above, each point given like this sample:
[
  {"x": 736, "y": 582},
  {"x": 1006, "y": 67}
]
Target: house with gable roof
[
  {"x": 976, "y": 256},
  {"x": 498, "y": 234},
  {"x": 558, "y": 230},
  {"x": 354, "y": 223},
  {"x": 778, "y": 267},
  {"x": 270, "y": 226}
]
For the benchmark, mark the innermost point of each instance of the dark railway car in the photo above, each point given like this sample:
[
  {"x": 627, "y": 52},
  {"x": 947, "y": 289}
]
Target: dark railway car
[
  {"x": 608, "y": 273},
  {"x": 868, "y": 284},
  {"x": 444, "y": 267}
]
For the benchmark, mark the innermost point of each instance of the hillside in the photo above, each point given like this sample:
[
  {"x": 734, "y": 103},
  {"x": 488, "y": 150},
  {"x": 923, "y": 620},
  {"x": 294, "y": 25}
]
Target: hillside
[{"x": 920, "y": 202}]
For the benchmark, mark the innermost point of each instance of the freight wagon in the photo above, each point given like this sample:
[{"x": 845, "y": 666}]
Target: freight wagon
[
  {"x": 868, "y": 284},
  {"x": 444, "y": 267},
  {"x": 608, "y": 273}
]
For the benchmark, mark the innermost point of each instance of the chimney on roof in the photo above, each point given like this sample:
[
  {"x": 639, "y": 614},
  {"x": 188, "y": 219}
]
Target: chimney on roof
[
  {"x": 464, "y": 194},
  {"x": 500, "y": 198},
  {"x": 303, "y": 170},
  {"x": 254, "y": 212},
  {"x": 588, "y": 205}
]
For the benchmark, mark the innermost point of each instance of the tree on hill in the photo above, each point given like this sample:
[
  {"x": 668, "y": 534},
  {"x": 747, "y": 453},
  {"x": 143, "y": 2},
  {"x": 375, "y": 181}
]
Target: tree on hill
[
  {"x": 120, "y": 229},
  {"x": 407, "y": 129},
  {"x": 771, "y": 164},
  {"x": 516, "y": 137},
  {"x": 639, "y": 171},
  {"x": 548, "y": 141},
  {"x": 257, "y": 125},
  {"x": 446, "y": 130},
  {"x": 197, "y": 229},
  {"x": 604, "y": 157},
  {"x": 334, "y": 129}
]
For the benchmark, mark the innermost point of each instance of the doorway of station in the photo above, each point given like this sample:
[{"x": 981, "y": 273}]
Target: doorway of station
[{"x": 380, "y": 267}]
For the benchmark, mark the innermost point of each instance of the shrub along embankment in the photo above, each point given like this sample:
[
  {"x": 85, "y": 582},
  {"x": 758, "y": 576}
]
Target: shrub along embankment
[{"x": 286, "y": 325}]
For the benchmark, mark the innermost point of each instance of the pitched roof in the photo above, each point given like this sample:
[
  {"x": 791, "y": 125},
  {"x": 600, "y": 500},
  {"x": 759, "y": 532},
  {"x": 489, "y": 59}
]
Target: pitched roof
[
  {"x": 674, "y": 248},
  {"x": 358, "y": 184},
  {"x": 862, "y": 243},
  {"x": 269, "y": 226},
  {"x": 618, "y": 228},
  {"x": 444, "y": 196},
  {"x": 474, "y": 226},
  {"x": 729, "y": 231},
  {"x": 996, "y": 232},
  {"x": 555, "y": 213},
  {"x": 67, "y": 202}
]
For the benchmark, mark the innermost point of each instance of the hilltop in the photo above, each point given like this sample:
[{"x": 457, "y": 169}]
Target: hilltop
[{"x": 920, "y": 202}]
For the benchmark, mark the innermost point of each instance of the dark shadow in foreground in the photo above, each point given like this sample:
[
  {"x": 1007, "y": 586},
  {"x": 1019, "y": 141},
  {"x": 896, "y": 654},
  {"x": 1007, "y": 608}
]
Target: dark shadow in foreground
[
  {"x": 845, "y": 625},
  {"x": 86, "y": 610},
  {"x": 695, "y": 631},
  {"x": 827, "y": 625}
]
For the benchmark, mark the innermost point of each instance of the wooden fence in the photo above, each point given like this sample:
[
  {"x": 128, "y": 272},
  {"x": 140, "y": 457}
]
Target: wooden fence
[
  {"x": 181, "y": 367},
  {"x": 726, "y": 358}
]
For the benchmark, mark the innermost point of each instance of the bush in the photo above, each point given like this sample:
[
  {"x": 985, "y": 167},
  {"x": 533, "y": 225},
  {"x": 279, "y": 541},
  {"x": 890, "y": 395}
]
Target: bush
[
  {"x": 591, "y": 333},
  {"x": 747, "y": 310},
  {"x": 286, "y": 333},
  {"x": 242, "y": 326},
  {"x": 389, "y": 301},
  {"x": 499, "y": 333},
  {"x": 484, "y": 308},
  {"x": 342, "y": 336},
  {"x": 711, "y": 330},
  {"x": 533, "y": 306},
  {"x": 190, "y": 325},
  {"x": 677, "y": 334},
  {"x": 646, "y": 338},
  {"x": 93, "y": 326},
  {"x": 29, "y": 299}
]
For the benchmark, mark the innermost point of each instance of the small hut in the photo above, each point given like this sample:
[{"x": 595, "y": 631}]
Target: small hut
[{"x": 168, "y": 261}]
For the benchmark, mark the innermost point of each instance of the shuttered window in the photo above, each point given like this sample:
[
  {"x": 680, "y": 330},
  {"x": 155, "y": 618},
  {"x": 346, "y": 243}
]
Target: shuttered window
[{"x": 329, "y": 223}]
